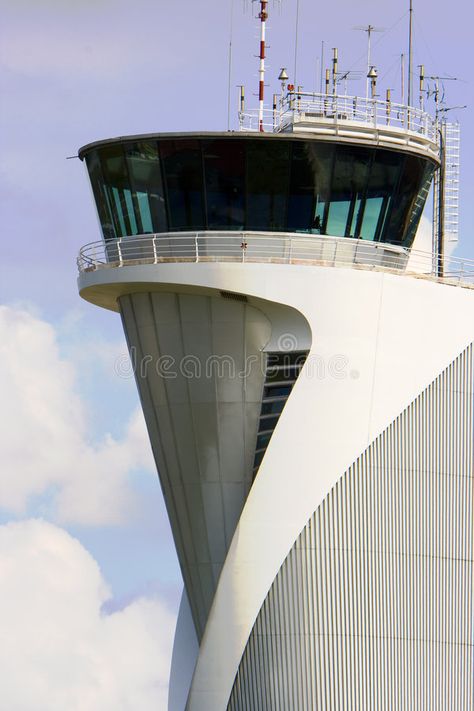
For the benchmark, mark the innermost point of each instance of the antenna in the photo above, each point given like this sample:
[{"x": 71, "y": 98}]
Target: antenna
[
  {"x": 263, "y": 15},
  {"x": 436, "y": 91},
  {"x": 422, "y": 85},
  {"x": 229, "y": 78},
  {"x": 369, "y": 29},
  {"x": 345, "y": 76},
  {"x": 410, "y": 54},
  {"x": 402, "y": 71},
  {"x": 322, "y": 68},
  {"x": 296, "y": 40}
]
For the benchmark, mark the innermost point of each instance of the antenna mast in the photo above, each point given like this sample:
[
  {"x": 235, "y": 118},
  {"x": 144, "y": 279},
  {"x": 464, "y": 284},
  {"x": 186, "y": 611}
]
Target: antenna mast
[
  {"x": 410, "y": 55},
  {"x": 263, "y": 15},
  {"x": 369, "y": 29}
]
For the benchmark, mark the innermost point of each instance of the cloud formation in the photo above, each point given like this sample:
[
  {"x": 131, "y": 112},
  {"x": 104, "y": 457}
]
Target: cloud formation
[
  {"x": 47, "y": 449},
  {"x": 59, "y": 650}
]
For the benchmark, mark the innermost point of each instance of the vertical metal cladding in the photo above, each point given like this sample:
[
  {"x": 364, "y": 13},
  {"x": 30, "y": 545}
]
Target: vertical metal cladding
[{"x": 373, "y": 607}]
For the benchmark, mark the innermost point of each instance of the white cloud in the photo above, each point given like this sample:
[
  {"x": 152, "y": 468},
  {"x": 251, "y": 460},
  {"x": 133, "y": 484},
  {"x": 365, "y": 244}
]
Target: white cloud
[
  {"x": 59, "y": 650},
  {"x": 44, "y": 440}
]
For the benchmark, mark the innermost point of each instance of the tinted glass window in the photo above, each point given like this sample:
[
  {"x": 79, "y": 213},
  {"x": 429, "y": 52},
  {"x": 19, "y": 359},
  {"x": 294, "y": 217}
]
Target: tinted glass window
[
  {"x": 182, "y": 161},
  {"x": 267, "y": 184},
  {"x": 100, "y": 195},
  {"x": 348, "y": 191},
  {"x": 410, "y": 182},
  {"x": 224, "y": 169},
  {"x": 147, "y": 194},
  {"x": 117, "y": 186},
  {"x": 302, "y": 194}
]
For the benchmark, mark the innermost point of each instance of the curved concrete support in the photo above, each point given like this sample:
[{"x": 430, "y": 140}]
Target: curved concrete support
[
  {"x": 183, "y": 661},
  {"x": 378, "y": 340}
]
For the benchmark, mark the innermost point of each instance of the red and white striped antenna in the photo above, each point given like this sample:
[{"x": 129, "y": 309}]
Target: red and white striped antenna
[{"x": 263, "y": 15}]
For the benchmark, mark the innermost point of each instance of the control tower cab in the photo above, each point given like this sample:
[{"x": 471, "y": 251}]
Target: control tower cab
[{"x": 331, "y": 167}]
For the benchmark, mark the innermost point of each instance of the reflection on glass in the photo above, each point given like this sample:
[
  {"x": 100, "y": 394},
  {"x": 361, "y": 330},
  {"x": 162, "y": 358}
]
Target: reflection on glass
[
  {"x": 276, "y": 184},
  {"x": 182, "y": 162},
  {"x": 267, "y": 185},
  {"x": 224, "y": 169},
  {"x": 301, "y": 195},
  {"x": 100, "y": 195},
  {"x": 372, "y": 213},
  {"x": 143, "y": 162}
]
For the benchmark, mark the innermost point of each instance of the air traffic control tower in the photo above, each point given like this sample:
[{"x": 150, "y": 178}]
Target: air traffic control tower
[{"x": 306, "y": 377}]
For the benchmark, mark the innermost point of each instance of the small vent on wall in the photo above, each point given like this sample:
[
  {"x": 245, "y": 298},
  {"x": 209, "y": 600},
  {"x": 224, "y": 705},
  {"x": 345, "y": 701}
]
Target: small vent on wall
[
  {"x": 282, "y": 370},
  {"x": 233, "y": 297}
]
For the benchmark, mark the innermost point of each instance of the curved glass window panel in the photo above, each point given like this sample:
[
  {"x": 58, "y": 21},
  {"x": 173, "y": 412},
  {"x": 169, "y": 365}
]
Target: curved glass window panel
[
  {"x": 183, "y": 170},
  {"x": 301, "y": 196},
  {"x": 419, "y": 204},
  {"x": 348, "y": 190},
  {"x": 117, "y": 182},
  {"x": 100, "y": 195},
  {"x": 410, "y": 183},
  {"x": 383, "y": 183},
  {"x": 263, "y": 440},
  {"x": 276, "y": 391},
  {"x": 267, "y": 185},
  {"x": 283, "y": 374},
  {"x": 147, "y": 193},
  {"x": 321, "y": 159},
  {"x": 268, "y": 423},
  {"x": 224, "y": 169},
  {"x": 273, "y": 406}
]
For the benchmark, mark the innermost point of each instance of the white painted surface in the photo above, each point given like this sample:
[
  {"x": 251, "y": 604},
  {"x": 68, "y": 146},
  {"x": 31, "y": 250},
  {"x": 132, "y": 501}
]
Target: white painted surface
[
  {"x": 183, "y": 661},
  {"x": 395, "y": 333}
]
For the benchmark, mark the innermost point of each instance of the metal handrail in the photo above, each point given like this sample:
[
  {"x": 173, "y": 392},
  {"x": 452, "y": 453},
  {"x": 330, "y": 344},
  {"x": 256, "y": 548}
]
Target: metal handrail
[
  {"x": 376, "y": 113},
  {"x": 273, "y": 248}
]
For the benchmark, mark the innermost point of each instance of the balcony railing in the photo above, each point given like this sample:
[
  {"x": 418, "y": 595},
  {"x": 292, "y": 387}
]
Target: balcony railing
[
  {"x": 272, "y": 248},
  {"x": 342, "y": 110}
]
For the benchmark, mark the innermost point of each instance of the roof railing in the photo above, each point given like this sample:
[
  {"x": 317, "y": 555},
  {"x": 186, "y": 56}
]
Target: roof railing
[
  {"x": 376, "y": 113},
  {"x": 273, "y": 248}
]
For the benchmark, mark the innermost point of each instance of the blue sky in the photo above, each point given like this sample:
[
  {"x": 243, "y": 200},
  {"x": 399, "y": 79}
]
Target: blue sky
[{"x": 76, "y": 467}]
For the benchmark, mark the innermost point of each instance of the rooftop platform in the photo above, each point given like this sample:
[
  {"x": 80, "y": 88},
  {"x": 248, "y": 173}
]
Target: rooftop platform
[{"x": 353, "y": 119}]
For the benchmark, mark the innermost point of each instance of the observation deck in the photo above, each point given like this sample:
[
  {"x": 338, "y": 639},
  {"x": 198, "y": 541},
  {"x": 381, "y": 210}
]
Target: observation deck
[
  {"x": 264, "y": 248},
  {"x": 351, "y": 118}
]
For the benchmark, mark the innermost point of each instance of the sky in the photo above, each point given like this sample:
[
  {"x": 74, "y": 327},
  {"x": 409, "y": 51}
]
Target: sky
[{"x": 89, "y": 581}]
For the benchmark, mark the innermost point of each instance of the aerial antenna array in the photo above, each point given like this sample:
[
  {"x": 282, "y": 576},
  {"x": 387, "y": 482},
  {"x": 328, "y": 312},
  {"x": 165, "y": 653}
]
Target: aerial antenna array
[{"x": 369, "y": 29}]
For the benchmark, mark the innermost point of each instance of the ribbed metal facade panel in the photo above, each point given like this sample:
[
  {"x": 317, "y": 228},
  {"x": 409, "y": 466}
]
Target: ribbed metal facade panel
[{"x": 373, "y": 607}]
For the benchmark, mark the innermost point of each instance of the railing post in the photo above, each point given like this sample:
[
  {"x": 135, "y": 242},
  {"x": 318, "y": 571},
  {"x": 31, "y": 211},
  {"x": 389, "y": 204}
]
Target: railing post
[
  {"x": 119, "y": 249},
  {"x": 155, "y": 254},
  {"x": 196, "y": 246},
  {"x": 243, "y": 247},
  {"x": 290, "y": 256}
]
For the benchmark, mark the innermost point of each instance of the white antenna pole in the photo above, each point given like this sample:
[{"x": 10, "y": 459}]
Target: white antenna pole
[
  {"x": 261, "y": 87},
  {"x": 402, "y": 66},
  {"x": 296, "y": 41},
  {"x": 322, "y": 68},
  {"x": 410, "y": 55},
  {"x": 229, "y": 79},
  {"x": 369, "y": 33}
]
